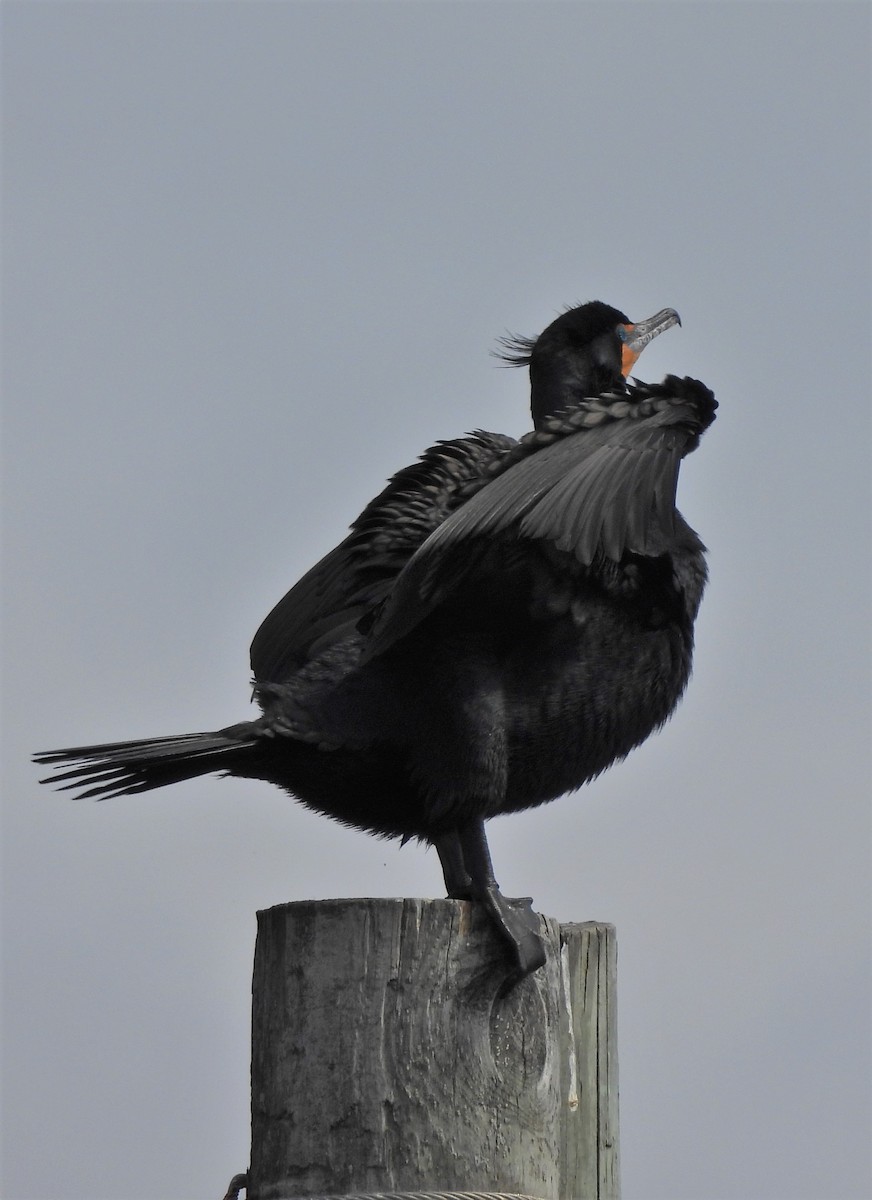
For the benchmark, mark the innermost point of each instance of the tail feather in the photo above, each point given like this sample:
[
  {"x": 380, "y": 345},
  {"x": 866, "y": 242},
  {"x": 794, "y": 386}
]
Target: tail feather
[{"x": 124, "y": 768}]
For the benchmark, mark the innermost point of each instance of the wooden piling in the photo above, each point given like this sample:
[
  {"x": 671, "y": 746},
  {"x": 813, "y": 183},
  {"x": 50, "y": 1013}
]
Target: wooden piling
[{"x": 385, "y": 1057}]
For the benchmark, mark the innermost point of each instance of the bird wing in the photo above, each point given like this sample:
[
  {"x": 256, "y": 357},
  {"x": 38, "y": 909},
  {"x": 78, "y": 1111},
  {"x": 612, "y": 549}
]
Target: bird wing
[
  {"x": 313, "y": 609},
  {"x": 604, "y": 488},
  {"x": 330, "y": 600}
]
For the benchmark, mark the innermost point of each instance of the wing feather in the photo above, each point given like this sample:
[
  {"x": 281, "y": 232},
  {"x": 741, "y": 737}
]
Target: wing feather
[
  {"x": 326, "y": 605},
  {"x": 608, "y": 490}
]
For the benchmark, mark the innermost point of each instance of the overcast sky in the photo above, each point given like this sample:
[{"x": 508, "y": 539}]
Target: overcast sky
[{"x": 254, "y": 259}]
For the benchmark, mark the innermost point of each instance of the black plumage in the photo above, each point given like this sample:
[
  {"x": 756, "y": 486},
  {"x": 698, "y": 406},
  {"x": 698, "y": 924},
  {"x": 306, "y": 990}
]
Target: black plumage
[{"x": 504, "y": 621}]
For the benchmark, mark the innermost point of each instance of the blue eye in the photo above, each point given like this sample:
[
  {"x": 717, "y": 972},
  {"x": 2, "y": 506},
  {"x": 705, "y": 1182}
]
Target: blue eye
[{"x": 623, "y": 333}]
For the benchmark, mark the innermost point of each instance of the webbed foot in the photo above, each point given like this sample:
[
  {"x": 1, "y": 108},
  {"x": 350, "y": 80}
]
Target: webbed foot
[
  {"x": 469, "y": 875},
  {"x": 519, "y": 925}
]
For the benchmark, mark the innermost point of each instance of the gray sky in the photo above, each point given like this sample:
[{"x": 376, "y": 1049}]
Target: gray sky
[{"x": 254, "y": 258}]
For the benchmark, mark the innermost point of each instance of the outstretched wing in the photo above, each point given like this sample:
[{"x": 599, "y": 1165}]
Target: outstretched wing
[
  {"x": 606, "y": 486},
  {"x": 330, "y": 599}
]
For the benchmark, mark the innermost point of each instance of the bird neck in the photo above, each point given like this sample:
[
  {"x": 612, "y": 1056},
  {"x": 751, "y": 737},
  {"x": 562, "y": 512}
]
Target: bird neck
[{"x": 563, "y": 383}]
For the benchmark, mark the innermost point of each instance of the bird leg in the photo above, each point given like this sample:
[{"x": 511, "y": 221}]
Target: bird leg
[
  {"x": 458, "y": 884},
  {"x": 466, "y": 862}
]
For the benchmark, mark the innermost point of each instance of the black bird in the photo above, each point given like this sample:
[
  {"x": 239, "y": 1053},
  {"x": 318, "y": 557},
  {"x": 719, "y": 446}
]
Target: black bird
[{"x": 504, "y": 621}]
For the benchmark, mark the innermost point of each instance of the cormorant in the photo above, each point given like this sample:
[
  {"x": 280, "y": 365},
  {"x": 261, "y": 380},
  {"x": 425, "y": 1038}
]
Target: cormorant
[{"x": 504, "y": 621}]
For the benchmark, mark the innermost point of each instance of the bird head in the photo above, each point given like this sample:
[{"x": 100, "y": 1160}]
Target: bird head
[{"x": 586, "y": 351}]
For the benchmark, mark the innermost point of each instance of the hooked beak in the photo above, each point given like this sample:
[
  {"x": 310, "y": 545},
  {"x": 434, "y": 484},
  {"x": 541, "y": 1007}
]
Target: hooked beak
[{"x": 636, "y": 337}]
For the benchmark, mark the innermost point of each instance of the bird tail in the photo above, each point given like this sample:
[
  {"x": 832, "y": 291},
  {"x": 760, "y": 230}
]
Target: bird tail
[{"x": 122, "y": 768}]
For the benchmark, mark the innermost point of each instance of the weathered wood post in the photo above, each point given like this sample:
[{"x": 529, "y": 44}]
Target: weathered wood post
[{"x": 385, "y": 1059}]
